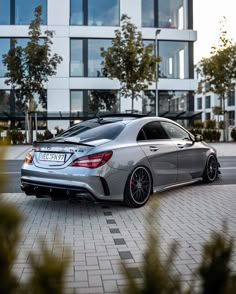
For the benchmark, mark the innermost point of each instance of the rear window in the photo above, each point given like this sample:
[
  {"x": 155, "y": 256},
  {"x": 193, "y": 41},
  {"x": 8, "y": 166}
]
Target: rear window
[{"x": 108, "y": 131}]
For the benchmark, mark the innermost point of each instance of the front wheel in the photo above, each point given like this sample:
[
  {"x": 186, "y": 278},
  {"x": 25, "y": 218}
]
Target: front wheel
[
  {"x": 211, "y": 169},
  {"x": 138, "y": 187}
]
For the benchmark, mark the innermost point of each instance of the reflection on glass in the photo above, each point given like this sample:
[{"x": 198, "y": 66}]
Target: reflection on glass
[
  {"x": 149, "y": 103},
  {"x": 76, "y": 101},
  {"x": 173, "y": 101},
  {"x": 4, "y": 101},
  {"x": 103, "y": 12},
  {"x": 76, "y": 12},
  {"x": 171, "y": 14},
  {"x": 103, "y": 100},
  {"x": 4, "y": 48},
  {"x": 5, "y": 12},
  {"x": 76, "y": 64},
  {"x": 148, "y": 13},
  {"x": 94, "y": 56},
  {"x": 174, "y": 60},
  {"x": 24, "y": 11}
]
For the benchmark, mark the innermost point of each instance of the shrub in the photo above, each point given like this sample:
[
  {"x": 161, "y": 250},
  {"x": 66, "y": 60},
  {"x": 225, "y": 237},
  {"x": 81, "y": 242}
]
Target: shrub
[
  {"x": 198, "y": 124},
  {"x": 233, "y": 134},
  {"x": 16, "y": 137},
  {"x": 210, "y": 124},
  {"x": 221, "y": 124}
]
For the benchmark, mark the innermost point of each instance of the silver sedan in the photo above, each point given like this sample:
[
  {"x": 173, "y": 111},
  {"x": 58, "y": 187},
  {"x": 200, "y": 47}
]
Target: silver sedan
[{"x": 123, "y": 161}]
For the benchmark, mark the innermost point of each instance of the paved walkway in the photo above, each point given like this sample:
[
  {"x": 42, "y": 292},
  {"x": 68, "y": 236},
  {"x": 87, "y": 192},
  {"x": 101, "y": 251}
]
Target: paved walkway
[
  {"x": 18, "y": 152},
  {"x": 100, "y": 237}
]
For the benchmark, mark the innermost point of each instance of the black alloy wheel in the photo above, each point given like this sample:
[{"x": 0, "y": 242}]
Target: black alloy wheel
[
  {"x": 211, "y": 169},
  {"x": 138, "y": 187}
]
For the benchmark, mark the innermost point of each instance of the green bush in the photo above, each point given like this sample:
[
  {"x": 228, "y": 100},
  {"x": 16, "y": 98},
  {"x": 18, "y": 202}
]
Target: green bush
[
  {"x": 16, "y": 137},
  {"x": 198, "y": 124},
  {"x": 221, "y": 124},
  {"x": 210, "y": 124},
  {"x": 211, "y": 135},
  {"x": 233, "y": 134}
]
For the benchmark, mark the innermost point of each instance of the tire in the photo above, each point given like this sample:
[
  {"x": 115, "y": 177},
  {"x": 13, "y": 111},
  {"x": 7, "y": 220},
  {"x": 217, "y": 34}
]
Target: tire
[
  {"x": 138, "y": 187},
  {"x": 211, "y": 169}
]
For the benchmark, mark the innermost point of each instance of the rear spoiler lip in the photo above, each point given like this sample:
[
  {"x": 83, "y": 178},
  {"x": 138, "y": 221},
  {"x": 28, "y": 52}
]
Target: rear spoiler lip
[{"x": 63, "y": 142}]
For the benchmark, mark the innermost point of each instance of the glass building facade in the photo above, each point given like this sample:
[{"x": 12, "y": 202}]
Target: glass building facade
[{"x": 82, "y": 28}]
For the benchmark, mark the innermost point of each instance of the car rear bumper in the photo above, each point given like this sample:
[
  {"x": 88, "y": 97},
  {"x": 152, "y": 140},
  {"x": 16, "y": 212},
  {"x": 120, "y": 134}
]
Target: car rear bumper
[{"x": 102, "y": 185}]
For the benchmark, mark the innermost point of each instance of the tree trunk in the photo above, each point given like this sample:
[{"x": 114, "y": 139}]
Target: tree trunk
[{"x": 132, "y": 102}]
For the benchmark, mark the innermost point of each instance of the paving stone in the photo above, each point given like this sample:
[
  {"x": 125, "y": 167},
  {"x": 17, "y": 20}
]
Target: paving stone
[
  {"x": 119, "y": 241},
  {"x": 107, "y": 213},
  {"x": 114, "y": 231},
  {"x": 125, "y": 255},
  {"x": 111, "y": 221}
]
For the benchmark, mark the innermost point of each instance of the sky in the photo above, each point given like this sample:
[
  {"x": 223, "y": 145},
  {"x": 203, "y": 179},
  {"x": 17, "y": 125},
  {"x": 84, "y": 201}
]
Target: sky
[{"x": 207, "y": 15}]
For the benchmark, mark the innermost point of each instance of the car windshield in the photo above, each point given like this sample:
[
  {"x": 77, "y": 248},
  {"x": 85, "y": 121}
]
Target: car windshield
[{"x": 109, "y": 131}]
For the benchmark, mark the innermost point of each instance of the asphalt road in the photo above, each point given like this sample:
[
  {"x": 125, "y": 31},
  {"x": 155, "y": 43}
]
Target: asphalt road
[{"x": 12, "y": 170}]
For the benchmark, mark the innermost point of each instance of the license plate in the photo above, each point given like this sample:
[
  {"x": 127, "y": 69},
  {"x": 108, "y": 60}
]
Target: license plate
[{"x": 52, "y": 157}]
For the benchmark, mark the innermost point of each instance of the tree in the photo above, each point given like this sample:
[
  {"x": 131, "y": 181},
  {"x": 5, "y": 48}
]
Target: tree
[
  {"x": 219, "y": 70},
  {"x": 130, "y": 61},
  {"x": 28, "y": 68},
  {"x": 102, "y": 100}
]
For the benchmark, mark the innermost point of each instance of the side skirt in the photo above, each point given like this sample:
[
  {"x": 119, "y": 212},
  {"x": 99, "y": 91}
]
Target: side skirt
[{"x": 164, "y": 188}]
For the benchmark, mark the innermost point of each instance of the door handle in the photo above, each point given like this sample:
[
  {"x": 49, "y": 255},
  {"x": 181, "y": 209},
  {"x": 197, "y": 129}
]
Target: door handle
[
  {"x": 180, "y": 146},
  {"x": 153, "y": 148}
]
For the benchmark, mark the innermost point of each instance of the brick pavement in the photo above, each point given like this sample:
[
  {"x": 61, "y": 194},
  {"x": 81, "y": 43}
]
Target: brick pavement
[{"x": 100, "y": 236}]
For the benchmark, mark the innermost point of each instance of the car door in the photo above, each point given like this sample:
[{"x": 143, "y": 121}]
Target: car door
[
  {"x": 161, "y": 154},
  {"x": 190, "y": 155}
]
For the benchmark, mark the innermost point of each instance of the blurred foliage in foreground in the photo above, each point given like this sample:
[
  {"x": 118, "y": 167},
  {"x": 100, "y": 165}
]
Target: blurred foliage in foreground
[
  {"x": 214, "y": 272},
  {"x": 48, "y": 272}
]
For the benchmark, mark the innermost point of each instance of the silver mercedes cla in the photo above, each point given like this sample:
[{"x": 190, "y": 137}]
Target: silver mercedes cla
[{"x": 123, "y": 161}]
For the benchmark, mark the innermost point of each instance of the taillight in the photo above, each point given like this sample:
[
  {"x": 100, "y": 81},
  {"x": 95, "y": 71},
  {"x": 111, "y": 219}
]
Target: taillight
[
  {"x": 29, "y": 157},
  {"x": 93, "y": 161}
]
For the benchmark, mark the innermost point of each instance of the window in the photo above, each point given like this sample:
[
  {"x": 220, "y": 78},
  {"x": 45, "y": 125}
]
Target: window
[
  {"x": 108, "y": 131},
  {"x": 149, "y": 103},
  {"x": 152, "y": 131},
  {"x": 24, "y": 11},
  {"x": 90, "y": 101},
  {"x": 76, "y": 12},
  {"x": 208, "y": 102},
  {"x": 76, "y": 55},
  {"x": 5, "y": 12},
  {"x": 95, "y": 13},
  {"x": 231, "y": 98},
  {"x": 21, "y": 12},
  {"x": 174, "y": 59},
  {"x": 164, "y": 14},
  {"x": 174, "y": 131},
  {"x": 4, "y": 48},
  {"x": 5, "y": 44},
  {"x": 103, "y": 100},
  {"x": 199, "y": 103},
  {"x": 5, "y": 101},
  {"x": 76, "y": 101},
  {"x": 207, "y": 116},
  {"x": 80, "y": 66},
  {"x": 148, "y": 13},
  {"x": 173, "y": 101},
  {"x": 231, "y": 118},
  {"x": 94, "y": 56}
]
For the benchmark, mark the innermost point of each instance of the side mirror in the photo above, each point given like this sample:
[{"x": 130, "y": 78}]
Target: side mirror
[{"x": 198, "y": 138}]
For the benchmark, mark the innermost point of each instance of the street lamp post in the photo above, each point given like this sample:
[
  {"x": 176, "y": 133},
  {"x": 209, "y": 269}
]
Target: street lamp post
[{"x": 157, "y": 71}]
